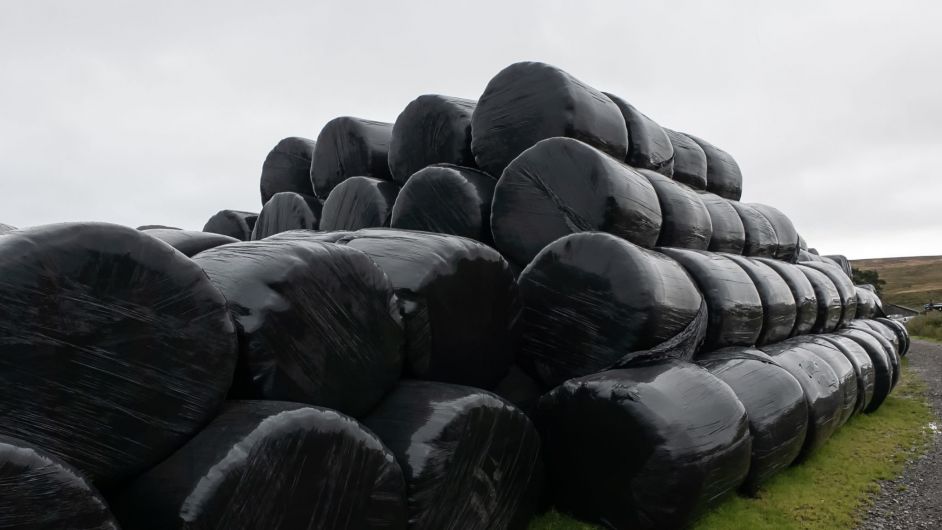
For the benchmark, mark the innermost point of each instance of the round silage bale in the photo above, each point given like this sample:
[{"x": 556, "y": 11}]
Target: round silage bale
[
  {"x": 358, "y": 202},
  {"x": 287, "y": 168},
  {"x": 690, "y": 163},
  {"x": 287, "y": 211},
  {"x": 648, "y": 144},
  {"x": 188, "y": 242},
  {"x": 432, "y": 129},
  {"x": 685, "y": 220},
  {"x": 350, "y": 147},
  {"x": 232, "y": 223},
  {"x": 729, "y": 235}
]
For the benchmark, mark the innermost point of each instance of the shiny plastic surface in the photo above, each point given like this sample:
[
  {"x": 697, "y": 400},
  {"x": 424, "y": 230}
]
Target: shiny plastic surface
[
  {"x": 528, "y": 102},
  {"x": 287, "y": 211},
  {"x": 142, "y": 227},
  {"x": 432, "y": 129},
  {"x": 863, "y": 367},
  {"x": 685, "y": 220},
  {"x": 845, "y": 288},
  {"x": 775, "y": 406},
  {"x": 806, "y": 303},
  {"x": 232, "y": 223},
  {"x": 359, "y": 202},
  {"x": 287, "y": 168},
  {"x": 350, "y": 147},
  {"x": 470, "y": 459},
  {"x": 829, "y": 300},
  {"x": 447, "y": 199},
  {"x": 729, "y": 235},
  {"x": 883, "y": 369},
  {"x": 648, "y": 144},
  {"x": 124, "y": 345},
  {"x": 887, "y": 332},
  {"x": 272, "y": 465},
  {"x": 188, "y": 242},
  {"x": 318, "y": 322},
  {"x": 785, "y": 233},
  {"x": 690, "y": 163},
  {"x": 644, "y": 447},
  {"x": 866, "y": 303},
  {"x": 723, "y": 175},
  {"x": 778, "y": 303},
  {"x": 901, "y": 332},
  {"x": 887, "y": 347},
  {"x": 561, "y": 186},
  {"x": 761, "y": 241},
  {"x": 804, "y": 255},
  {"x": 592, "y": 300},
  {"x": 843, "y": 369},
  {"x": 842, "y": 262}
]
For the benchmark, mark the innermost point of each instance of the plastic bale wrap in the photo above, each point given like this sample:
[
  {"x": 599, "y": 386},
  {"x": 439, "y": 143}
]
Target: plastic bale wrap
[
  {"x": 560, "y": 186},
  {"x": 883, "y": 369},
  {"x": 270, "y": 464},
  {"x": 41, "y": 492},
  {"x": 804, "y": 255},
  {"x": 806, "y": 303},
  {"x": 114, "y": 348},
  {"x": 232, "y": 223},
  {"x": 447, "y": 199},
  {"x": 829, "y": 300},
  {"x": 878, "y": 311},
  {"x": 318, "y": 322},
  {"x": 845, "y": 288},
  {"x": 470, "y": 459},
  {"x": 843, "y": 263},
  {"x": 519, "y": 389},
  {"x": 648, "y": 144},
  {"x": 866, "y": 303},
  {"x": 350, "y": 147},
  {"x": 359, "y": 202},
  {"x": 785, "y": 232},
  {"x": 775, "y": 406},
  {"x": 6, "y": 228},
  {"x": 724, "y": 177},
  {"x": 778, "y": 304},
  {"x": 882, "y": 329},
  {"x": 729, "y": 235},
  {"x": 685, "y": 220},
  {"x": 189, "y": 242},
  {"x": 528, "y": 102},
  {"x": 901, "y": 333},
  {"x": 761, "y": 241},
  {"x": 733, "y": 304},
  {"x": 287, "y": 168},
  {"x": 287, "y": 211},
  {"x": 649, "y": 446},
  {"x": 592, "y": 301},
  {"x": 142, "y": 227},
  {"x": 885, "y": 345},
  {"x": 863, "y": 367},
  {"x": 432, "y": 129},
  {"x": 843, "y": 369},
  {"x": 690, "y": 163}
]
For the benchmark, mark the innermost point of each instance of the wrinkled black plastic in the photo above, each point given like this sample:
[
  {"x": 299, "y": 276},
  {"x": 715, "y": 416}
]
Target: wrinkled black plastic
[
  {"x": 528, "y": 102},
  {"x": 863, "y": 367},
  {"x": 887, "y": 347},
  {"x": 644, "y": 447},
  {"x": 685, "y": 220},
  {"x": 232, "y": 223},
  {"x": 114, "y": 348},
  {"x": 432, "y": 129},
  {"x": 883, "y": 368},
  {"x": 775, "y": 406},
  {"x": 887, "y": 332},
  {"x": 829, "y": 300},
  {"x": 878, "y": 311},
  {"x": 40, "y": 492},
  {"x": 723, "y": 175},
  {"x": 690, "y": 163},
  {"x": 189, "y": 242},
  {"x": 287, "y": 168},
  {"x": 866, "y": 303},
  {"x": 318, "y": 322},
  {"x": 845, "y": 289},
  {"x": 843, "y": 263},
  {"x": 470, "y": 459},
  {"x": 901, "y": 332},
  {"x": 806, "y": 303},
  {"x": 729, "y": 235},
  {"x": 592, "y": 300},
  {"x": 447, "y": 199},
  {"x": 6, "y": 228},
  {"x": 648, "y": 144},
  {"x": 287, "y": 211},
  {"x": 560, "y": 186},
  {"x": 778, "y": 304},
  {"x": 843, "y": 369},
  {"x": 273, "y": 465},
  {"x": 785, "y": 233},
  {"x": 359, "y": 202},
  {"x": 733, "y": 303},
  {"x": 142, "y": 227},
  {"x": 804, "y": 255},
  {"x": 761, "y": 241},
  {"x": 350, "y": 147}
]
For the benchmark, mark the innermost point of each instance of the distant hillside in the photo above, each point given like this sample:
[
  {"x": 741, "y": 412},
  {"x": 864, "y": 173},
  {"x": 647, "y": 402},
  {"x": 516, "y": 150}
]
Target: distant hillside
[{"x": 911, "y": 282}]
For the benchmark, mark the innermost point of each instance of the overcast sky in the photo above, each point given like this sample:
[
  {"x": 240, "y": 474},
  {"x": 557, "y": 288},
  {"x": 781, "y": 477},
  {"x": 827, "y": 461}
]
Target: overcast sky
[{"x": 162, "y": 112}]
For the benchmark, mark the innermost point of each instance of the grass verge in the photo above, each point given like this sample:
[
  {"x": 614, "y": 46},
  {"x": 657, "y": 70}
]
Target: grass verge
[
  {"x": 927, "y": 326},
  {"x": 832, "y": 488}
]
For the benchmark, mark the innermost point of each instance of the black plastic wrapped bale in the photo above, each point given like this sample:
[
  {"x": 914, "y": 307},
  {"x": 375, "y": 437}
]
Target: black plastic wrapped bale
[
  {"x": 189, "y": 242},
  {"x": 761, "y": 241},
  {"x": 470, "y": 459},
  {"x": 648, "y": 144},
  {"x": 593, "y": 300},
  {"x": 459, "y": 301},
  {"x": 40, "y": 492},
  {"x": 843, "y": 263},
  {"x": 775, "y": 405},
  {"x": 785, "y": 233},
  {"x": 142, "y": 227},
  {"x": 690, "y": 163},
  {"x": 724, "y": 177},
  {"x": 887, "y": 332},
  {"x": 729, "y": 235},
  {"x": 863, "y": 367},
  {"x": 804, "y": 255},
  {"x": 232, "y": 223},
  {"x": 806, "y": 303},
  {"x": 866, "y": 303},
  {"x": 350, "y": 147},
  {"x": 287, "y": 211},
  {"x": 528, "y": 102},
  {"x": 685, "y": 220},
  {"x": 878, "y": 311},
  {"x": 845, "y": 289},
  {"x": 778, "y": 304},
  {"x": 114, "y": 348},
  {"x": 447, "y": 199},
  {"x": 287, "y": 168},
  {"x": 843, "y": 369},
  {"x": 519, "y": 389},
  {"x": 829, "y": 300},
  {"x": 887, "y": 347},
  {"x": 883, "y": 369},
  {"x": 318, "y": 322},
  {"x": 802, "y": 244},
  {"x": 432, "y": 129},
  {"x": 823, "y": 391},
  {"x": 733, "y": 303},
  {"x": 359, "y": 202},
  {"x": 560, "y": 186},
  {"x": 901, "y": 332},
  {"x": 649, "y": 446},
  {"x": 270, "y": 464}
]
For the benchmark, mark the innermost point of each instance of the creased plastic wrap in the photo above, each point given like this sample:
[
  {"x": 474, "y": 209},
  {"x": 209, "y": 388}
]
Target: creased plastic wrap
[
  {"x": 643, "y": 447},
  {"x": 729, "y": 235},
  {"x": 447, "y": 199},
  {"x": 142, "y": 227},
  {"x": 287, "y": 168},
  {"x": 433, "y": 129},
  {"x": 866, "y": 303},
  {"x": 863, "y": 368},
  {"x": 723, "y": 175},
  {"x": 685, "y": 220},
  {"x": 287, "y": 211},
  {"x": 560, "y": 186},
  {"x": 843, "y": 369},
  {"x": 842, "y": 262},
  {"x": 359, "y": 202},
  {"x": 761, "y": 241},
  {"x": 350, "y": 147},
  {"x": 690, "y": 163},
  {"x": 901, "y": 332},
  {"x": 114, "y": 348},
  {"x": 884, "y": 330},
  {"x": 885, "y": 345},
  {"x": 273, "y": 465},
  {"x": 778, "y": 304},
  {"x": 592, "y": 300},
  {"x": 470, "y": 459},
  {"x": 806, "y": 303},
  {"x": 785, "y": 233},
  {"x": 188, "y": 242},
  {"x": 232, "y": 223},
  {"x": 648, "y": 144},
  {"x": 528, "y": 102},
  {"x": 318, "y": 322},
  {"x": 883, "y": 369},
  {"x": 775, "y": 406},
  {"x": 829, "y": 300},
  {"x": 845, "y": 289},
  {"x": 804, "y": 255}
]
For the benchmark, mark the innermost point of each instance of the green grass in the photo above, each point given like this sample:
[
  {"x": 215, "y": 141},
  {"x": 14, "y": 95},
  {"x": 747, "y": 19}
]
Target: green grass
[
  {"x": 832, "y": 488},
  {"x": 928, "y": 326}
]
